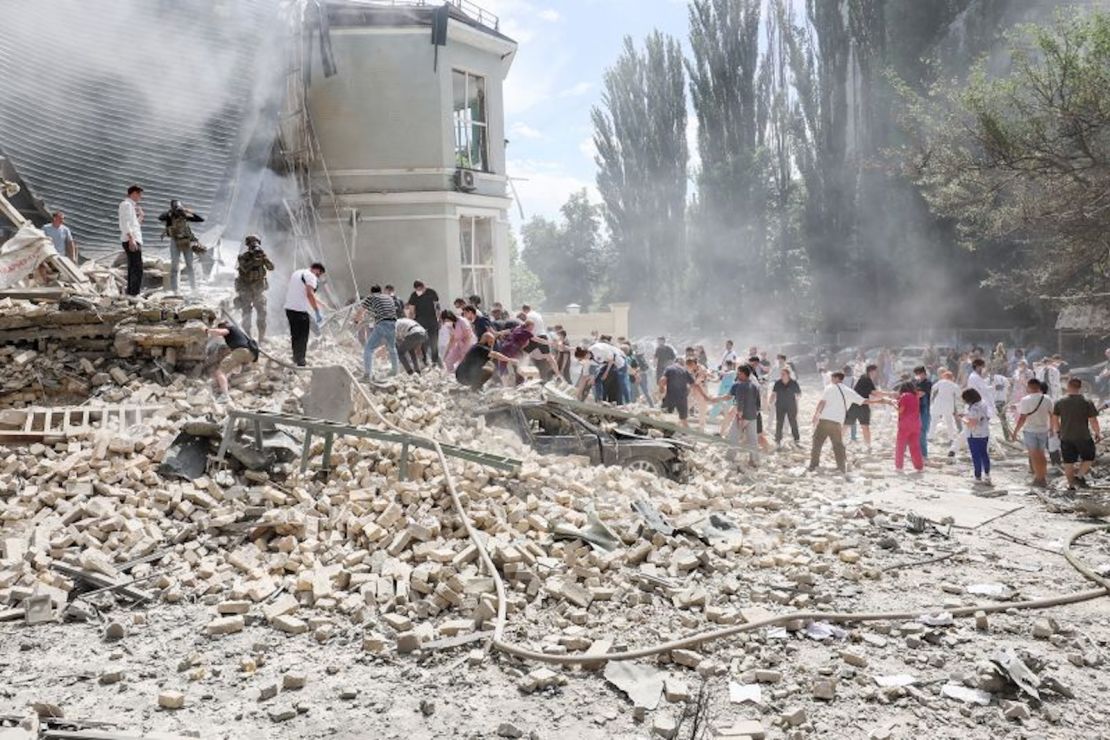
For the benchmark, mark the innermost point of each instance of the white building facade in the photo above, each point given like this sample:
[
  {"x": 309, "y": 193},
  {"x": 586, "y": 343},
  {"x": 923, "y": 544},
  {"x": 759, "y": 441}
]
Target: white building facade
[{"x": 412, "y": 143}]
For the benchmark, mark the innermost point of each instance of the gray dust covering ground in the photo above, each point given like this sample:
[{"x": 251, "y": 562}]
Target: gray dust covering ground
[{"x": 285, "y": 607}]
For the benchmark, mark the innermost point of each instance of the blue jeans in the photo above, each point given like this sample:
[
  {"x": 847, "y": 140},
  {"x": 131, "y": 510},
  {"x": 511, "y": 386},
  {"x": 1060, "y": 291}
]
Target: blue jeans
[
  {"x": 385, "y": 332},
  {"x": 926, "y": 419},
  {"x": 625, "y": 384},
  {"x": 980, "y": 458}
]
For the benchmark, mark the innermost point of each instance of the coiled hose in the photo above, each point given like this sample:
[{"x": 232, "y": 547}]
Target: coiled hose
[{"x": 498, "y": 642}]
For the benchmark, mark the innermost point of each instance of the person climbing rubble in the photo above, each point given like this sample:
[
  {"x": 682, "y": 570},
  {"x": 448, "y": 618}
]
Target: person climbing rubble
[
  {"x": 301, "y": 298},
  {"x": 243, "y": 352},
  {"x": 175, "y": 223},
  {"x": 475, "y": 370},
  {"x": 251, "y": 284}
]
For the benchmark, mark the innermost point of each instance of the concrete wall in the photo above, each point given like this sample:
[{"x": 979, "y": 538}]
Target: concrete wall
[
  {"x": 386, "y": 133},
  {"x": 579, "y": 325}
]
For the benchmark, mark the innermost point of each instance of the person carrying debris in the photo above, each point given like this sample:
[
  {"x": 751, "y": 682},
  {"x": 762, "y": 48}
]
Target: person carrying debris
[
  {"x": 131, "y": 235},
  {"x": 828, "y": 420},
  {"x": 425, "y": 304},
  {"x": 410, "y": 341},
  {"x": 475, "y": 370},
  {"x": 244, "y": 351},
  {"x": 674, "y": 388},
  {"x": 176, "y": 222},
  {"x": 300, "y": 298},
  {"x": 384, "y": 311},
  {"x": 251, "y": 284}
]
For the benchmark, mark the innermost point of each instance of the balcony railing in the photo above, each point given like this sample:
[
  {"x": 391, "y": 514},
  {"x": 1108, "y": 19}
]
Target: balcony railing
[{"x": 475, "y": 12}]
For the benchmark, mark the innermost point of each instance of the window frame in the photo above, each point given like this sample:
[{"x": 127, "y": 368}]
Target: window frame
[
  {"x": 477, "y": 277},
  {"x": 463, "y": 122}
]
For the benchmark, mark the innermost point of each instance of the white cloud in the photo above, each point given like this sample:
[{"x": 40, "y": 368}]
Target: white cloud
[
  {"x": 522, "y": 130},
  {"x": 550, "y": 15},
  {"x": 543, "y": 187},
  {"x": 577, "y": 89}
]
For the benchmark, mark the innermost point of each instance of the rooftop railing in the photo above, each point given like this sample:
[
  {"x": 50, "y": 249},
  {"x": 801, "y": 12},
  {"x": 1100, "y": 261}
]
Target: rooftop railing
[{"x": 471, "y": 10}]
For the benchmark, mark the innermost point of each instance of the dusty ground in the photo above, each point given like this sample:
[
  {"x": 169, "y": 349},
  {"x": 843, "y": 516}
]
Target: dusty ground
[{"x": 440, "y": 694}]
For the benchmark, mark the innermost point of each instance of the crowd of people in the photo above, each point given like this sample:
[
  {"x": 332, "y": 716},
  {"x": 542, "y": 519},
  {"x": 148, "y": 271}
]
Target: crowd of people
[{"x": 955, "y": 396}]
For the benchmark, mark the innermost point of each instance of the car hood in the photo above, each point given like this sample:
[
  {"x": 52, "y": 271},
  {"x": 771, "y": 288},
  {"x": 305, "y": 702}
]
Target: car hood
[{"x": 627, "y": 438}]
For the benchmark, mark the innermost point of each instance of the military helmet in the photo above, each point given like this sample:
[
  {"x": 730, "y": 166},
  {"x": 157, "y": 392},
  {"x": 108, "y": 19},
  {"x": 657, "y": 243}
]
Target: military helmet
[{"x": 255, "y": 238}]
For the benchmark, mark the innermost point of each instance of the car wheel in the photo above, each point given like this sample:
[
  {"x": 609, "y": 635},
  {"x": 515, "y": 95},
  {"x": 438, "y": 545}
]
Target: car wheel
[{"x": 646, "y": 464}]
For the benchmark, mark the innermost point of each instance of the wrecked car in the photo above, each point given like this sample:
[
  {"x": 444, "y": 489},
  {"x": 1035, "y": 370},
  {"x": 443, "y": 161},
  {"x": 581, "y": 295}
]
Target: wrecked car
[{"x": 552, "y": 430}]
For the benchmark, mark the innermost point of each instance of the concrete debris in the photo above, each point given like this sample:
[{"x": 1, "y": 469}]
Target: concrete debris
[
  {"x": 642, "y": 683},
  {"x": 966, "y": 694},
  {"x": 278, "y": 575}
]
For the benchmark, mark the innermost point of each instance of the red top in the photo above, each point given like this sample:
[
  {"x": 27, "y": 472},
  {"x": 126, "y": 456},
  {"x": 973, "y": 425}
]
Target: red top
[{"x": 909, "y": 410}]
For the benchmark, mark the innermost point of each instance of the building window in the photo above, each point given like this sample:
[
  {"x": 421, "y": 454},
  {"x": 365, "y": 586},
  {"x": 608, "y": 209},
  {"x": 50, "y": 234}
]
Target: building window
[
  {"x": 476, "y": 244},
  {"x": 471, "y": 131}
]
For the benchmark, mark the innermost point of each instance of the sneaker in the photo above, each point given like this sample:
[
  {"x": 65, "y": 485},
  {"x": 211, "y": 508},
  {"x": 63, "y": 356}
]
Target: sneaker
[
  {"x": 987, "y": 481},
  {"x": 1082, "y": 483},
  {"x": 223, "y": 398},
  {"x": 1040, "y": 483}
]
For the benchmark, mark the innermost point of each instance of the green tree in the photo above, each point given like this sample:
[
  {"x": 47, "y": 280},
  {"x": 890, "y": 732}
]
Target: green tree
[
  {"x": 728, "y": 238},
  {"x": 640, "y": 137},
  {"x": 567, "y": 257},
  {"x": 1023, "y": 159},
  {"x": 526, "y": 286}
]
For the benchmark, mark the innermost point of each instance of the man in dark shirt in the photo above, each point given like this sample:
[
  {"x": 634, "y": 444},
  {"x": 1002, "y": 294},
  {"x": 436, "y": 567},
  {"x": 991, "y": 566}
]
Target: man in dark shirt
[
  {"x": 664, "y": 356},
  {"x": 784, "y": 396},
  {"x": 674, "y": 388},
  {"x": 925, "y": 396},
  {"x": 479, "y": 321},
  {"x": 865, "y": 386},
  {"x": 425, "y": 304},
  {"x": 475, "y": 370},
  {"x": 1074, "y": 417},
  {"x": 745, "y": 429},
  {"x": 244, "y": 351}
]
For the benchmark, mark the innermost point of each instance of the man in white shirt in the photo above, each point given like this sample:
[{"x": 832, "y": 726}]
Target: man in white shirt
[
  {"x": 131, "y": 236},
  {"x": 610, "y": 364},
  {"x": 300, "y": 299},
  {"x": 828, "y": 420},
  {"x": 1034, "y": 420},
  {"x": 728, "y": 356},
  {"x": 977, "y": 379},
  {"x": 945, "y": 410}
]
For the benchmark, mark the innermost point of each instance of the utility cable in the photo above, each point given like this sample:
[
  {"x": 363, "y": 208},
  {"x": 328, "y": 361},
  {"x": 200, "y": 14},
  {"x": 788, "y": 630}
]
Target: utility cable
[{"x": 498, "y": 642}]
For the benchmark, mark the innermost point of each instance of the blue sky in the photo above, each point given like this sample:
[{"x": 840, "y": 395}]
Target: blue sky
[{"x": 565, "y": 47}]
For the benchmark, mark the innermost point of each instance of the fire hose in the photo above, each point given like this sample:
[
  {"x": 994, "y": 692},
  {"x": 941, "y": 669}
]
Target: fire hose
[{"x": 499, "y": 643}]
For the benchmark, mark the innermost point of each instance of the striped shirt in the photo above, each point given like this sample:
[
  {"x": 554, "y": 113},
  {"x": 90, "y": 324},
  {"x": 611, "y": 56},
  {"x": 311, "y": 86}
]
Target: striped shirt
[{"x": 380, "y": 306}]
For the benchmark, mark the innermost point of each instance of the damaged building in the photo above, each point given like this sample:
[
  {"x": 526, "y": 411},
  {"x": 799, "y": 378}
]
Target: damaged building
[{"x": 367, "y": 135}]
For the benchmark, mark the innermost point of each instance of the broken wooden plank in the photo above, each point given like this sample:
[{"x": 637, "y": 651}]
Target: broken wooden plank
[{"x": 100, "y": 581}]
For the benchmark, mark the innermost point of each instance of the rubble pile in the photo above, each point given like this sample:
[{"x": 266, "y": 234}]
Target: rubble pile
[
  {"x": 594, "y": 559},
  {"x": 94, "y": 327}
]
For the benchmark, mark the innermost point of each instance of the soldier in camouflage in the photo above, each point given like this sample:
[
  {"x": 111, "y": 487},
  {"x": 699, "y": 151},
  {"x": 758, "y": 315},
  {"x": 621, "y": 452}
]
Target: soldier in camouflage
[
  {"x": 251, "y": 284},
  {"x": 176, "y": 221}
]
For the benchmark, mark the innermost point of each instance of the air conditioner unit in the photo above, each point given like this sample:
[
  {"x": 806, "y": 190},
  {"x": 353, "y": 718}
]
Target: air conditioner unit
[{"x": 466, "y": 181}]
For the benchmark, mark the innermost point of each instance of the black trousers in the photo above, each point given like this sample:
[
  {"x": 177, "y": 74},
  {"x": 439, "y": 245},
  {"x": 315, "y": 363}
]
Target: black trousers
[
  {"x": 431, "y": 343},
  {"x": 407, "y": 350},
  {"x": 299, "y": 328},
  {"x": 790, "y": 413},
  {"x": 134, "y": 269}
]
